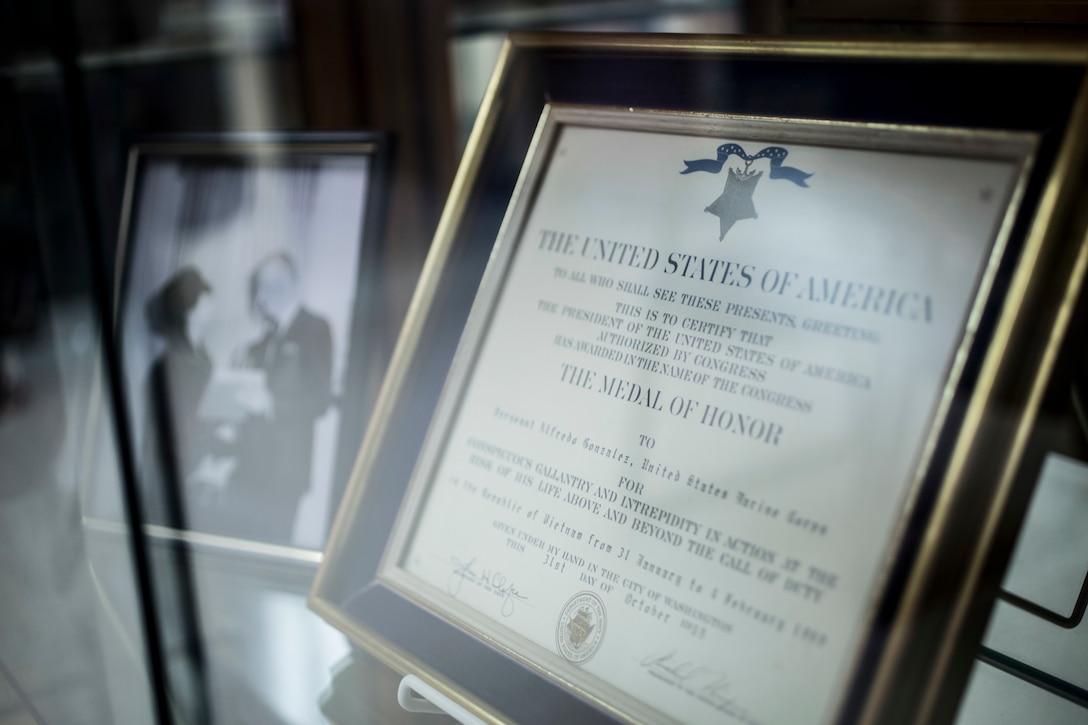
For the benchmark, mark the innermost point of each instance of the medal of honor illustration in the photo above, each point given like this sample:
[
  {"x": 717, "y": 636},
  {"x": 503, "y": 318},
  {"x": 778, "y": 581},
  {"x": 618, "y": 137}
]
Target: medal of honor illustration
[
  {"x": 735, "y": 202},
  {"x": 581, "y": 627}
]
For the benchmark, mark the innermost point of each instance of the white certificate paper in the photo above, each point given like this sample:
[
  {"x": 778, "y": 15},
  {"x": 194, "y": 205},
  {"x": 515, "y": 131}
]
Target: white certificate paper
[{"x": 682, "y": 430}]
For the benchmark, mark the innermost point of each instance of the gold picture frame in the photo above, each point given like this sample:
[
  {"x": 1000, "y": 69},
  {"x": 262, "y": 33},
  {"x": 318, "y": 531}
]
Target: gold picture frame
[{"x": 901, "y": 652}]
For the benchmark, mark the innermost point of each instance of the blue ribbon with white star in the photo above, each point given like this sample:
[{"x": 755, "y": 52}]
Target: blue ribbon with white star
[{"x": 775, "y": 154}]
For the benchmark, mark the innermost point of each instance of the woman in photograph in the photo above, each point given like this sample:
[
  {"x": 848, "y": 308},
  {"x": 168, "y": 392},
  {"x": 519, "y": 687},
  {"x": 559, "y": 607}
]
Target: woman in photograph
[{"x": 181, "y": 450}]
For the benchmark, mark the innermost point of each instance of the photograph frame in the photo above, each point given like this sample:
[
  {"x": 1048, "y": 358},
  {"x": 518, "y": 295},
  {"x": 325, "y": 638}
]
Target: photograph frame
[
  {"x": 1033, "y": 635},
  {"x": 942, "y": 560},
  {"x": 359, "y": 336}
]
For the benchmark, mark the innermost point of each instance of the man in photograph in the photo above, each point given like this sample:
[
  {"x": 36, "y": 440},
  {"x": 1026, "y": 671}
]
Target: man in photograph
[{"x": 275, "y": 440}]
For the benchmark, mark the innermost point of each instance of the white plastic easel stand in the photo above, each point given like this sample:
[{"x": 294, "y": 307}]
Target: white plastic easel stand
[{"x": 415, "y": 695}]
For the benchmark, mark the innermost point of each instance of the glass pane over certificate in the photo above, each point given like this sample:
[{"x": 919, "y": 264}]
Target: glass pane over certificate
[{"x": 693, "y": 400}]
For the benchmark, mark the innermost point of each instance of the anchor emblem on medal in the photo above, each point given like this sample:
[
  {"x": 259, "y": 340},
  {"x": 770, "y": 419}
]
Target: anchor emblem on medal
[{"x": 735, "y": 202}]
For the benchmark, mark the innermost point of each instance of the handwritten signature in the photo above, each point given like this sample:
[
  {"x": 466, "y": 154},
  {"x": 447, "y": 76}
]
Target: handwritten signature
[
  {"x": 701, "y": 682},
  {"x": 489, "y": 580},
  {"x": 461, "y": 572}
]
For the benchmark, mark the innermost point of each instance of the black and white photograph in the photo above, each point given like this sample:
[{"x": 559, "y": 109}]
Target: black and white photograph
[{"x": 245, "y": 310}]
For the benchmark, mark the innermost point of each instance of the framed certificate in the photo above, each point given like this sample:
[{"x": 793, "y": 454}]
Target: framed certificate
[
  {"x": 247, "y": 296},
  {"x": 696, "y": 417}
]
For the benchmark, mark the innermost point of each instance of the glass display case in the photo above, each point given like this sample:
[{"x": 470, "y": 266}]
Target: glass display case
[{"x": 239, "y": 245}]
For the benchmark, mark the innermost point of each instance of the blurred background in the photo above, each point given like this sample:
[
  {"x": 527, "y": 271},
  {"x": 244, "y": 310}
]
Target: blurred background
[{"x": 103, "y": 620}]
